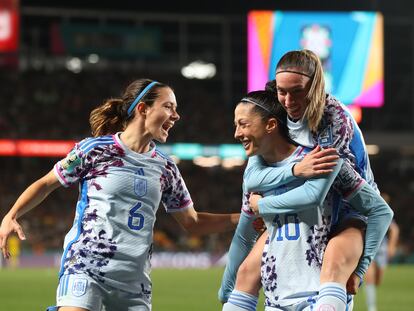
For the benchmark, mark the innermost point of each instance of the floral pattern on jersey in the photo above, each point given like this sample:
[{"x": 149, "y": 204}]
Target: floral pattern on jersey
[
  {"x": 268, "y": 275},
  {"x": 317, "y": 242},
  {"x": 91, "y": 252},
  {"x": 246, "y": 205},
  {"x": 146, "y": 292},
  {"x": 91, "y": 165},
  {"x": 338, "y": 122},
  {"x": 174, "y": 191}
]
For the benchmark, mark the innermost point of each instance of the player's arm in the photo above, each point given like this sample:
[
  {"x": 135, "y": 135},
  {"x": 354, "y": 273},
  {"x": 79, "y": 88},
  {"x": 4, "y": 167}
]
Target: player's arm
[
  {"x": 243, "y": 240},
  {"x": 206, "y": 223},
  {"x": 309, "y": 195},
  {"x": 371, "y": 204},
  {"x": 29, "y": 199},
  {"x": 259, "y": 177}
]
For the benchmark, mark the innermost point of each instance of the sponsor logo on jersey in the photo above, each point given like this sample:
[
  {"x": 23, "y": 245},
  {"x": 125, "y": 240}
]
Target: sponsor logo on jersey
[{"x": 79, "y": 287}]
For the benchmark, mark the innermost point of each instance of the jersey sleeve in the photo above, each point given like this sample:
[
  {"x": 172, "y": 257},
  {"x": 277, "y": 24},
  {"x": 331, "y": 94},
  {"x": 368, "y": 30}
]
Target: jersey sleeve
[
  {"x": 72, "y": 168},
  {"x": 337, "y": 131},
  {"x": 379, "y": 214},
  {"x": 309, "y": 195},
  {"x": 175, "y": 195},
  {"x": 258, "y": 177}
]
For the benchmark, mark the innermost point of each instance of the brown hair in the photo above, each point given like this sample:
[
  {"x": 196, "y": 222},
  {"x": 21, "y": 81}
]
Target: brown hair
[
  {"x": 112, "y": 116},
  {"x": 307, "y": 63}
]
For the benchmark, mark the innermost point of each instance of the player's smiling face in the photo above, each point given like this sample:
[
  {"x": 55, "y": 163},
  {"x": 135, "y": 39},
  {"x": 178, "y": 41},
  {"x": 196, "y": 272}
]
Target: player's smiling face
[
  {"x": 162, "y": 115},
  {"x": 250, "y": 128},
  {"x": 292, "y": 89}
]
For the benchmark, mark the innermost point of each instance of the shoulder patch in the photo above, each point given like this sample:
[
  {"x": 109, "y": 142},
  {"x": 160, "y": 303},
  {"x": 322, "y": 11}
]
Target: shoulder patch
[
  {"x": 71, "y": 161},
  {"x": 325, "y": 137}
]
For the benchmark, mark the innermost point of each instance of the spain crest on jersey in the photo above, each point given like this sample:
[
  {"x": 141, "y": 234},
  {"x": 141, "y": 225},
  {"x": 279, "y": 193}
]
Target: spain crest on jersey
[
  {"x": 79, "y": 287},
  {"x": 140, "y": 186}
]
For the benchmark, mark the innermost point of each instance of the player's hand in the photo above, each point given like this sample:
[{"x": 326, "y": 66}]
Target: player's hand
[
  {"x": 259, "y": 225},
  {"x": 317, "y": 162},
  {"x": 254, "y": 202},
  {"x": 353, "y": 284},
  {"x": 8, "y": 226}
]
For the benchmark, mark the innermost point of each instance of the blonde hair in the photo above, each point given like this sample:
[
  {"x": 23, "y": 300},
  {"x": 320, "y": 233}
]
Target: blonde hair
[
  {"x": 112, "y": 116},
  {"x": 307, "y": 63}
]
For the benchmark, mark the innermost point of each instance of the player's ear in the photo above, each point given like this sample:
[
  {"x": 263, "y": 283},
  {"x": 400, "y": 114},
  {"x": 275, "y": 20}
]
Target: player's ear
[
  {"x": 271, "y": 125},
  {"x": 142, "y": 108}
]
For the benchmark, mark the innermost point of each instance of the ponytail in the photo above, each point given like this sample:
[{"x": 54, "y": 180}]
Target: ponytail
[{"x": 108, "y": 118}]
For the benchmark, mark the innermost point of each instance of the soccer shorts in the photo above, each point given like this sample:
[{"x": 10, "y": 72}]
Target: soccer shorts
[{"x": 80, "y": 290}]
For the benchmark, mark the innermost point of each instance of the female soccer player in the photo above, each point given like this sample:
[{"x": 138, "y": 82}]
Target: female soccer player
[
  {"x": 298, "y": 236},
  {"x": 122, "y": 178},
  {"x": 316, "y": 118}
]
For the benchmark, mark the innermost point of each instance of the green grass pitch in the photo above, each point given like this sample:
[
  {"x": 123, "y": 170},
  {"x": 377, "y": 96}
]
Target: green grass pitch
[{"x": 184, "y": 290}]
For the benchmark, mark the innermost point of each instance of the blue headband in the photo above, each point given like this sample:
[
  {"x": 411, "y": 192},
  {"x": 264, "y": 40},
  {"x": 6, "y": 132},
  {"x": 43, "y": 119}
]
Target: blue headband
[{"x": 140, "y": 95}]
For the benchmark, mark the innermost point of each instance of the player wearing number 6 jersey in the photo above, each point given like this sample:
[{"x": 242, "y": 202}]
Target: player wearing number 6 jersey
[{"x": 122, "y": 179}]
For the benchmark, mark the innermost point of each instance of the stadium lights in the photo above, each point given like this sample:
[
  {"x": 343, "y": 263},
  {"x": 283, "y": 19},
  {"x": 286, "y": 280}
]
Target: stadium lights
[
  {"x": 229, "y": 163},
  {"x": 74, "y": 64},
  {"x": 93, "y": 58},
  {"x": 373, "y": 149},
  {"x": 199, "y": 70},
  {"x": 207, "y": 161}
]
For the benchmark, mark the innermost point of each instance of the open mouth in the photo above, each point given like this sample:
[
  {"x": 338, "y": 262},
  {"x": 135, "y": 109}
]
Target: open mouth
[
  {"x": 246, "y": 144},
  {"x": 167, "y": 126}
]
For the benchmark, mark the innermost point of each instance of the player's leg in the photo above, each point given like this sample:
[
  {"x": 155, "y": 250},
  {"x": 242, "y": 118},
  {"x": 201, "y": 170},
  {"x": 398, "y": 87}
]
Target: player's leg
[
  {"x": 341, "y": 257},
  {"x": 245, "y": 294}
]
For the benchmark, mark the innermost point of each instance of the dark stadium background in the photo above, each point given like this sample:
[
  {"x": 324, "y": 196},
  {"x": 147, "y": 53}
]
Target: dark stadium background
[{"x": 41, "y": 99}]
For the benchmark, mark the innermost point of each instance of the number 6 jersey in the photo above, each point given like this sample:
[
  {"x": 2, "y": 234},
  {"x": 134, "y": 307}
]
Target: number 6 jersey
[{"x": 119, "y": 194}]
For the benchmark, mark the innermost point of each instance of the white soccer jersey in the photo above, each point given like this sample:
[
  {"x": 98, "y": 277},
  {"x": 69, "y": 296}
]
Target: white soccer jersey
[
  {"x": 120, "y": 191},
  {"x": 292, "y": 257}
]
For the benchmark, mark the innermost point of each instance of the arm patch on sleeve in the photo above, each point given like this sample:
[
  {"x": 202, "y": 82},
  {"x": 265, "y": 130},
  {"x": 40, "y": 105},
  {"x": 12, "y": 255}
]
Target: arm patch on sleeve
[{"x": 71, "y": 161}]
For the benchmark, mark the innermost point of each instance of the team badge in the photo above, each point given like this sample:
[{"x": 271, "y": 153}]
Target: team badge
[
  {"x": 79, "y": 287},
  {"x": 70, "y": 162},
  {"x": 140, "y": 186},
  {"x": 325, "y": 138}
]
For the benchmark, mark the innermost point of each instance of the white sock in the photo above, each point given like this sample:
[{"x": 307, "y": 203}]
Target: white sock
[
  {"x": 332, "y": 296},
  {"x": 240, "y": 301},
  {"x": 371, "y": 297}
]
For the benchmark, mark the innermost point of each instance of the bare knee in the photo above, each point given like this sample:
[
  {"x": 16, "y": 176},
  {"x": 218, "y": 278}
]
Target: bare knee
[
  {"x": 342, "y": 256},
  {"x": 248, "y": 278}
]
